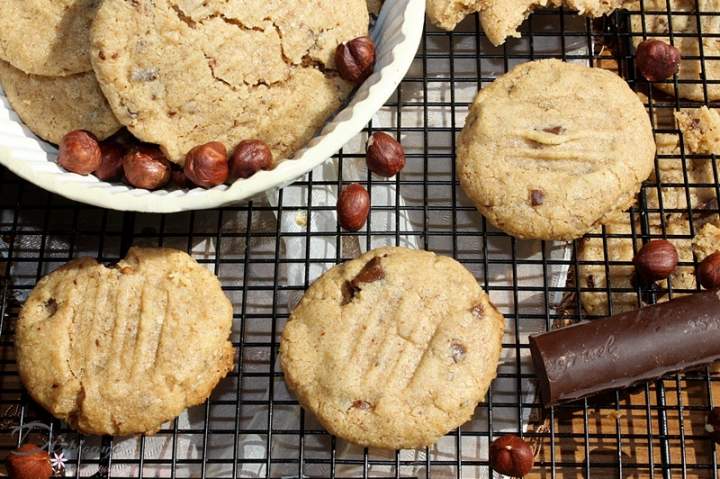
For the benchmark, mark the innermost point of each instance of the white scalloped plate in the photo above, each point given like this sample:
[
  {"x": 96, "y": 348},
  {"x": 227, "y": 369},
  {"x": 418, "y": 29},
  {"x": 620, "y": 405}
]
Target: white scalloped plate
[{"x": 397, "y": 34}]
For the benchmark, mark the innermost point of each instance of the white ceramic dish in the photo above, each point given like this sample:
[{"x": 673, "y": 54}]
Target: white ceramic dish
[{"x": 397, "y": 34}]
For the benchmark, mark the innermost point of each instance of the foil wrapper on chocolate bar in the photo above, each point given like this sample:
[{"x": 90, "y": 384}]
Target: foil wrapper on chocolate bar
[{"x": 628, "y": 348}]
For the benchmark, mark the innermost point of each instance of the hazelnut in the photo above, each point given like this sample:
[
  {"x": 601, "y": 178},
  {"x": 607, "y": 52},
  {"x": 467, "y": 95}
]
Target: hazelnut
[
  {"x": 111, "y": 161},
  {"x": 249, "y": 157},
  {"x": 656, "y": 260},
  {"x": 29, "y": 462},
  {"x": 657, "y": 60},
  {"x": 146, "y": 167},
  {"x": 709, "y": 271},
  {"x": 712, "y": 426},
  {"x": 385, "y": 155},
  {"x": 125, "y": 139},
  {"x": 207, "y": 165},
  {"x": 80, "y": 152},
  {"x": 178, "y": 178},
  {"x": 355, "y": 60},
  {"x": 511, "y": 456},
  {"x": 353, "y": 207}
]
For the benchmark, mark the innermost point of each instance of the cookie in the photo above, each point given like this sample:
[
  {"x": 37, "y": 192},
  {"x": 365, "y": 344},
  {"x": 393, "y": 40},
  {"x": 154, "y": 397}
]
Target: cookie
[
  {"x": 122, "y": 350},
  {"x": 392, "y": 349},
  {"x": 541, "y": 155},
  {"x": 447, "y": 14},
  {"x": 181, "y": 74},
  {"x": 502, "y": 18},
  {"x": 655, "y": 21},
  {"x": 47, "y": 37},
  {"x": 53, "y": 106}
]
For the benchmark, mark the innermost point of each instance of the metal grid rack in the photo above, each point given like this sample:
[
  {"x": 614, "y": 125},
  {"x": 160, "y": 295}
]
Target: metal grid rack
[{"x": 251, "y": 427}]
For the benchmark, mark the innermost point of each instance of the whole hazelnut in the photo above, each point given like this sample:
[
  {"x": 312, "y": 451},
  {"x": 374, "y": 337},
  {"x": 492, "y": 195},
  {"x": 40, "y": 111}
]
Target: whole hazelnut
[
  {"x": 657, "y": 60},
  {"x": 178, "y": 178},
  {"x": 353, "y": 207},
  {"x": 111, "y": 164},
  {"x": 146, "y": 167},
  {"x": 80, "y": 152},
  {"x": 385, "y": 155},
  {"x": 511, "y": 456},
  {"x": 712, "y": 426},
  {"x": 29, "y": 462},
  {"x": 656, "y": 260},
  {"x": 355, "y": 60},
  {"x": 709, "y": 271},
  {"x": 125, "y": 139},
  {"x": 249, "y": 157},
  {"x": 207, "y": 165}
]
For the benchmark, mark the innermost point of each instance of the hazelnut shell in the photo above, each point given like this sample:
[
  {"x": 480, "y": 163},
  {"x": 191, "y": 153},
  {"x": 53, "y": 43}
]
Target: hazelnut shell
[
  {"x": 29, "y": 462},
  {"x": 656, "y": 260},
  {"x": 709, "y": 271},
  {"x": 385, "y": 155},
  {"x": 511, "y": 456},
  {"x": 355, "y": 60},
  {"x": 79, "y": 152},
  {"x": 353, "y": 207},
  {"x": 249, "y": 157},
  {"x": 146, "y": 167},
  {"x": 657, "y": 60},
  {"x": 207, "y": 165}
]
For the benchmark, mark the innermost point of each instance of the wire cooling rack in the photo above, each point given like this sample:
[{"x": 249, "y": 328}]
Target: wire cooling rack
[{"x": 267, "y": 251}]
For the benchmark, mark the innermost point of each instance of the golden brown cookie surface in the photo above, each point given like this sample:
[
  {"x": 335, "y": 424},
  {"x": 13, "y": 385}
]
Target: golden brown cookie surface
[
  {"x": 541, "y": 154},
  {"x": 393, "y": 349},
  {"x": 47, "y": 37},
  {"x": 181, "y": 74},
  {"x": 121, "y": 350},
  {"x": 54, "y": 106}
]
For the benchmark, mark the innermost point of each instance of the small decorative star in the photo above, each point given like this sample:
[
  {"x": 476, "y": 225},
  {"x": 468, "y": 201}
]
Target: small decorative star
[{"x": 57, "y": 461}]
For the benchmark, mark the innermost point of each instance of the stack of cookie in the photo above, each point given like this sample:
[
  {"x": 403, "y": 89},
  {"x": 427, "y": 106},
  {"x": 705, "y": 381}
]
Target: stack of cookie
[
  {"x": 182, "y": 74},
  {"x": 46, "y": 70}
]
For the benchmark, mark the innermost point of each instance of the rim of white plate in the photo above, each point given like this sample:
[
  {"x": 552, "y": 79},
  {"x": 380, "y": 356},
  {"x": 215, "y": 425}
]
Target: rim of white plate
[{"x": 397, "y": 33}]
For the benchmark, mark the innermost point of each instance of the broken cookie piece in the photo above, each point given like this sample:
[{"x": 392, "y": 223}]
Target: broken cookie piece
[
  {"x": 701, "y": 130},
  {"x": 502, "y": 18}
]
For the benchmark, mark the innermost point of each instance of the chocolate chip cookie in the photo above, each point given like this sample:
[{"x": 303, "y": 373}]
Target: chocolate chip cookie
[
  {"x": 47, "y": 37},
  {"x": 122, "y": 350},
  {"x": 392, "y": 349},
  {"x": 53, "y": 106},
  {"x": 542, "y": 156},
  {"x": 180, "y": 74}
]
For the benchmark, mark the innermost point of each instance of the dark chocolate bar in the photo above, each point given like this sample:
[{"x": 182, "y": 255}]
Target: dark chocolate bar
[{"x": 619, "y": 351}]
